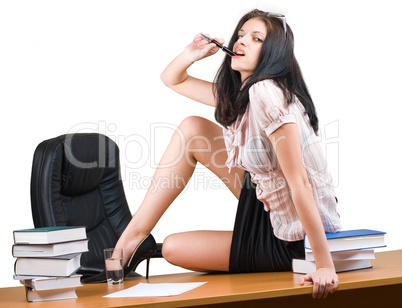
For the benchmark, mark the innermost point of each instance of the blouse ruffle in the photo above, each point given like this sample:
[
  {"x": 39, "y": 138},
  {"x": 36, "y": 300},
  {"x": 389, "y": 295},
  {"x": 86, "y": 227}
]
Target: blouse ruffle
[{"x": 234, "y": 138}]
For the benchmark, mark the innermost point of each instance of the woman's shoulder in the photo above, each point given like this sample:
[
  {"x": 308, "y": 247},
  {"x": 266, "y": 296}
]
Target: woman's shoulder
[
  {"x": 266, "y": 92},
  {"x": 265, "y": 84}
]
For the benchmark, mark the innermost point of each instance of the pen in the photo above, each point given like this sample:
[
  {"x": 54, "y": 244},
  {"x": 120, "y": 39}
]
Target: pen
[{"x": 225, "y": 49}]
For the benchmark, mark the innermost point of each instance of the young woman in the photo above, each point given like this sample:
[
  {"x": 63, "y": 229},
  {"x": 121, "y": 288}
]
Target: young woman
[{"x": 269, "y": 129}]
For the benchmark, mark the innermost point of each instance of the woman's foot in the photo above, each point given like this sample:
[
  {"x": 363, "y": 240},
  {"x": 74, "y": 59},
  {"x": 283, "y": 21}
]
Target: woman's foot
[
  {"x": 144, "y": 251},
  {"x": 129, "y": 243}
]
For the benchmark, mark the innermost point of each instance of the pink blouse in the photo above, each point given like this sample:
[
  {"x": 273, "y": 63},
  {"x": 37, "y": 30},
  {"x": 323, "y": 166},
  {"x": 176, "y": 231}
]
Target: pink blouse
[{"x": 249, "y": 148}]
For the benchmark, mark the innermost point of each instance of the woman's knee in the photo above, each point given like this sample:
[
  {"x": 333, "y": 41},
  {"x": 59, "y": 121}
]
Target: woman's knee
[
  {"x": 193, "y": 126},
  {"x": 170, "y": 248},
  {"x": 194, "y": 135}
]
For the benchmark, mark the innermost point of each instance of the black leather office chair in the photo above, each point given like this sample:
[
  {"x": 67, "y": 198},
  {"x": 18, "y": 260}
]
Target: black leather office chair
[{"x": 76, "y": 181}]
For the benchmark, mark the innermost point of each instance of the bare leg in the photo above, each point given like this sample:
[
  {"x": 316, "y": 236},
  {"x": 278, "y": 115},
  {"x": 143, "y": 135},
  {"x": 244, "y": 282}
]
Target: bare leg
[
  {"x": 199, "y": 250},
  {"x": 196, "y": 140}
]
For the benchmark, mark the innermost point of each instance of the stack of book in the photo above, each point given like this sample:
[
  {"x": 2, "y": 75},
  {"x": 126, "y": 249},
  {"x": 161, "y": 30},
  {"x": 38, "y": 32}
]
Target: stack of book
[
  {"x": 47, "y": 260},
  {"x": 350, "y": 250}
]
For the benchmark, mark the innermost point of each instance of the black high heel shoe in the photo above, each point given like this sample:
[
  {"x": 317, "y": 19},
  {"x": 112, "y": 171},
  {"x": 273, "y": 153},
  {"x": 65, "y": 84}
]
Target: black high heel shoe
[{"x": 145, "y": 250}]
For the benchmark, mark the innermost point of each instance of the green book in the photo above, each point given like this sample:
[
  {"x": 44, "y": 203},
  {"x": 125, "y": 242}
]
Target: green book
[{"x": 49, "y": 235}]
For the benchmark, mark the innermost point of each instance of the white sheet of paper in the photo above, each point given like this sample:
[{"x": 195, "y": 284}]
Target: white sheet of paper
[{"x": 156, "y": 289}]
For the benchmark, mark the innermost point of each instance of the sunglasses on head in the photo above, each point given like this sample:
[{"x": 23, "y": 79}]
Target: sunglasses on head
[{"x": 280, "y": 16}]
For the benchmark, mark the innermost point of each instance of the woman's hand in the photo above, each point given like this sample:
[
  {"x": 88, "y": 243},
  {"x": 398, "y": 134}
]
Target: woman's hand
[
  {"x": 175, "y": 75},
  {"x": 324, "y": 280},
  {"x": 200, "y": 48}
]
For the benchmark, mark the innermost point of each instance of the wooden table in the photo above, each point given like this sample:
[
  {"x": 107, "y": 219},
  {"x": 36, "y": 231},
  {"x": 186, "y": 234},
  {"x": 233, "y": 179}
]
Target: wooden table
[{"x": 380, "y": 286}]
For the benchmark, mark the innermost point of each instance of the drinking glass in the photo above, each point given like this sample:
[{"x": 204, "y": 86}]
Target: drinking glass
[{"x": 114, "y": 265}]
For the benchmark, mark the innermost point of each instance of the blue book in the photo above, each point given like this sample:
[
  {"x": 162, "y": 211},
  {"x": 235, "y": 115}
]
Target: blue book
[
  {"x": 61, "y": 266},
  {"x": 305, "y": 267},
  {"x": 49, "y": 250},
  {"x": 352, "y": 239}
]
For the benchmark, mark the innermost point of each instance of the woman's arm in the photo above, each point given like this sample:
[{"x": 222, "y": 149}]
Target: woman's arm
[
  {"x": 287, "y": 147},
  {"x": 175, "y": 74}
]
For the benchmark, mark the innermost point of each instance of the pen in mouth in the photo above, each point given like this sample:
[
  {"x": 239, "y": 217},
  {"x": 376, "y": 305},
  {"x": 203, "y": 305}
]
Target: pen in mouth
[{"x": 225, "y": 49}]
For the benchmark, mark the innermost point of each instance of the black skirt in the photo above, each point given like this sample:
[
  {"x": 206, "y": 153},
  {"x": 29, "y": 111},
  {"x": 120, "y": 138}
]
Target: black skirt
[{"x": 254, "y": 246}]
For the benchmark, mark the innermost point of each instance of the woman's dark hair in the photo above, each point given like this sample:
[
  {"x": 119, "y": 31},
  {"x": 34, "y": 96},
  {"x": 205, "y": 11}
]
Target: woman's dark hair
[{"x": 276, "y": 62}]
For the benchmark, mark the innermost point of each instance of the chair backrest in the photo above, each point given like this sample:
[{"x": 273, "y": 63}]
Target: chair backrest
[{"x": 76, "y": 181}]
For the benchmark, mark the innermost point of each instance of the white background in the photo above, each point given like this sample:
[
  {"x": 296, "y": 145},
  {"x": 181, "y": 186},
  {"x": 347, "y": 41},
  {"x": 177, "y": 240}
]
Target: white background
[{"x": 69, "y": 66}]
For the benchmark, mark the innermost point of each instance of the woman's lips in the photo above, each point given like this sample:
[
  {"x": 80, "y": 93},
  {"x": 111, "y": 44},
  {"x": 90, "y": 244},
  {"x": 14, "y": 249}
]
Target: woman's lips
[{"x": 239, "y": 53}]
